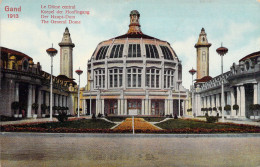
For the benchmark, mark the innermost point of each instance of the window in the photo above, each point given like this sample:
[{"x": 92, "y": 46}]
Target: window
[
  {"x": 247, "y": 66},
  {"x": 168, "y": 78},
  {"x": 25, "y": 65},
  {"x": 152, "y": 78},
  {"x": 102, "y": 53},
  {"x": 166, "y": 53},
  {"x": 134, "y": 77},
  {"x": 99, "y": 78},
  {"x": 203, "y": 56},
  {"x": 117, "y": 51},
  {"x": 134, "y": 50},
  {"x": 151, "y": 51},
  {"x": 115, "y": 77}
]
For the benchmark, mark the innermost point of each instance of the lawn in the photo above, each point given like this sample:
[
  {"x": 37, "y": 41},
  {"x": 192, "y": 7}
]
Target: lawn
[
  {"x": 116, "y": 119},
  {"x": 182, "y": 124},
  {"x": 77, "y": 124},
  {"x": 154, "y": 119}
]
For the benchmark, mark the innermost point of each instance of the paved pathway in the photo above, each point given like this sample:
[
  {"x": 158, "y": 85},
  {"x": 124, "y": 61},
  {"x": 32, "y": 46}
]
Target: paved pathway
[
  {"x": 139, "y": 123},
  {"x": 112, "y": 150}
]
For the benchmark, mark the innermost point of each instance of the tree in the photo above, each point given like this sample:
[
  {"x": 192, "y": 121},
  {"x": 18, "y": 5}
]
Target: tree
[
  {"x": 43, "y": 108},
  {"x": 35, "y": 107},
  {"x": 236, "y": 107}
]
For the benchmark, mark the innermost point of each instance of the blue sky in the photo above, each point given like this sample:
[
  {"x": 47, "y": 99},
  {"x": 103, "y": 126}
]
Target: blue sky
[{"x": 236, "y": 23}]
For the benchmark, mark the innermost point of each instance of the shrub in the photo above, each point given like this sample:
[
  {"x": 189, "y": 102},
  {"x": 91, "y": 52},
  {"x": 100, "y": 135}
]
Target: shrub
[
  {"x": 211, "y": 119},
  {"x": 235, "y": 107},
  {"x": 220, "y": 108},
  {"x": 257, "y": 106},
  {"x": 62, "y": 116},
  {"x": 170, "y": 116},
  {"x": 94, "y": 116},
  {"x": 35, "y": 107},
  {"x": 100, "y": 115},
  {"x": 206, "y": 115},
  {"x": 215, "y": 108},
  {"x": 227, "y": 107},
  {"x": 175, "y": 116},
  {"x": 210, "y": 109},
  {"x": 43, "y": 108}
]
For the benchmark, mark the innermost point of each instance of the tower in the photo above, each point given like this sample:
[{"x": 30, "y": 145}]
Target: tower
[
  {"x": 202, "y": 47},
  {"x": 66, "y": 53}
]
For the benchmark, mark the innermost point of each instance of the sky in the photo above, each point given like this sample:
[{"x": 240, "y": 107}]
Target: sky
[{"x": 235, "y": 23}]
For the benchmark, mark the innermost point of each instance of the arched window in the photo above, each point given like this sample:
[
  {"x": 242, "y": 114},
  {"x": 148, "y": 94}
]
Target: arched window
[
  {"x": 102, "y": 53},
  {"x": 134, "y": 50},
  {"x": 166, "y": 52}
]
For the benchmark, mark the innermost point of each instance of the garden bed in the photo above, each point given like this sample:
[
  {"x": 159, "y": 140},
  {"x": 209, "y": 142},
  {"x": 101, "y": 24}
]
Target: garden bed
[{"x": 177, "y": 126}]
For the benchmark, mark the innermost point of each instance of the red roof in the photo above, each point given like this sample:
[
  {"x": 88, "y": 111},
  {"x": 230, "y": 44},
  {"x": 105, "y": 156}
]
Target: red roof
[
  {"x": 255, "y": 54},
  {"x": 13, "y": 52},
  {"x": 204, "y": 79},
  {"x": 222, "y": 50}
]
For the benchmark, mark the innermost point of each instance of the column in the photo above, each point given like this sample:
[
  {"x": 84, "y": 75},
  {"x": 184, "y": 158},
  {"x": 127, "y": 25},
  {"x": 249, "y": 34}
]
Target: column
[
  {"x": 56, "y": 102},
  {"x": 125, "y": 111},
  {"x": 171, "y": 106},
  {"x": 146, "y": 107},
  {"x": 232, "y": 101},
  {"x": 29, "y": 107},
  {"x": 39, "y": 102},
  {"x": 60, "y": 100},
  {"x": 166, "y": 107},
  {"x": 149, "y": 107},
  {"x": 198, "y": 104},
  {"x": 119, "y": 107},
  {"x": 243, "y": 101},
  {"x": 143, "y": 113},
  {"x": 122, "y": 106},
  {"x": 256, "y": 93},
  {"x": 103, "y": 106},
  {"x": 17, "y": 91},
  {"x": 238, "y": 100}
]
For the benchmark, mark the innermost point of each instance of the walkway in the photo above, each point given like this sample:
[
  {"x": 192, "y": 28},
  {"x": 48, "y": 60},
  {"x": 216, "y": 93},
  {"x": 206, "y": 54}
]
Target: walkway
[
  {"x": 38, "y": 120},
  {"x": 139, "y": 123}
]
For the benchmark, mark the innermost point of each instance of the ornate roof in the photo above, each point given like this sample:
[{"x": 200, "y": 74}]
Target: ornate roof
[{"x": 252, "y": 55}]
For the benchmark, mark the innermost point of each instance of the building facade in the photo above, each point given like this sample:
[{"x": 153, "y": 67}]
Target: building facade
[
  {"x": 25, "y": 82},
  {"x": 241, "y": 89},
  {"x": 134, "y": 72}
]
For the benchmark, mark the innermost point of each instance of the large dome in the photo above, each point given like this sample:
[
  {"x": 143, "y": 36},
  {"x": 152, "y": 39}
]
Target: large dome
[
  {"x": 134, "y": 44},
  {"x": 134, "y": 72}
]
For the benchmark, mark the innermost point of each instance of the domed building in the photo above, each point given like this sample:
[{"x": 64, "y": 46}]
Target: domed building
[{"x": 134, "y": 73}]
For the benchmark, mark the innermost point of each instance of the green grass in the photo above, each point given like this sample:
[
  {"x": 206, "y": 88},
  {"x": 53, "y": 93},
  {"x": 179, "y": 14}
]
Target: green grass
[
  {"x": 154, "y": 119},
  {"x": 116, "y": 119},
  {"x": 180, "y": 124},
  {"x": 78, "y": 124}
]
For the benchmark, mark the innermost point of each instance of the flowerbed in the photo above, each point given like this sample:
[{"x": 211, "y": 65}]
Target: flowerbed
[
  {"x": 139, "y": 123},
  {"x": 141, "y": 126},
  {"x": 9, "y": 128}
]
